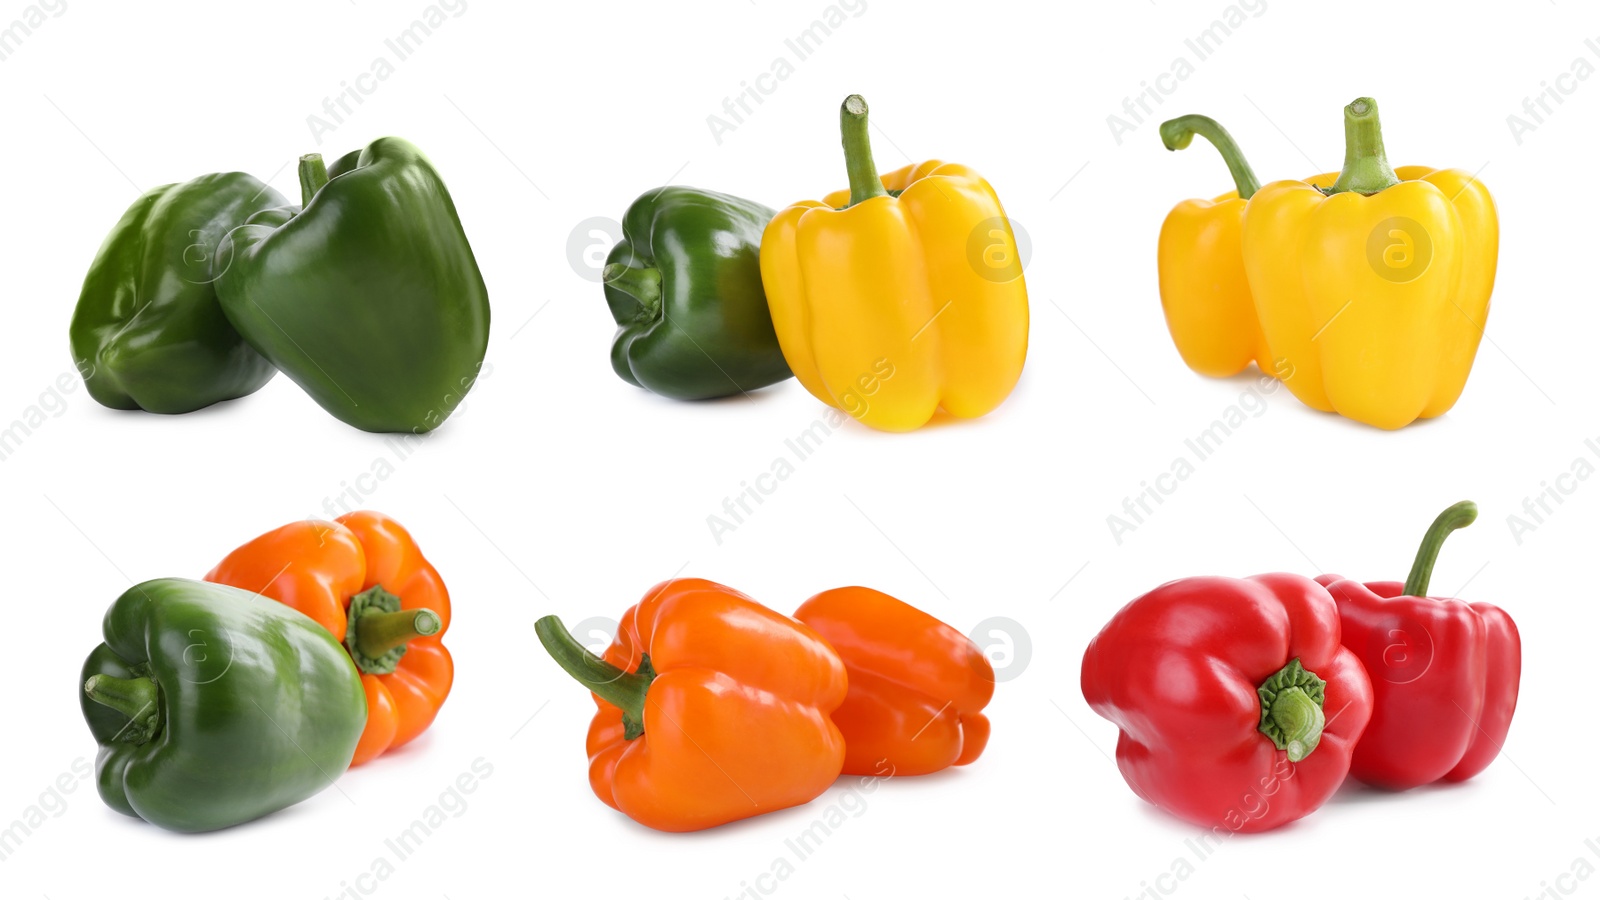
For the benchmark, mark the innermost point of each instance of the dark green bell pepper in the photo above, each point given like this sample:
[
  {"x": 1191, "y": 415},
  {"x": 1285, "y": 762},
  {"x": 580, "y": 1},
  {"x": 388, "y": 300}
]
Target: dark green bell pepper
[
  {"x": 684, "y": 285},
  {"x": 213, "y": 706},
  {"x": 148, "y": 332},
  {"x": 369, "y": 296}
]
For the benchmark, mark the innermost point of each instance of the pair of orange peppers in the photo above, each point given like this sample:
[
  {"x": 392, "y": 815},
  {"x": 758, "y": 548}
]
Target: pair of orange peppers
[
  {"x": 713, "y": 708},
  {"x": 348, "y": 576}
]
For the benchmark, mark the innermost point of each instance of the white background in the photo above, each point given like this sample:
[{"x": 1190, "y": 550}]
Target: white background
[{"x": 559, "y": 488}]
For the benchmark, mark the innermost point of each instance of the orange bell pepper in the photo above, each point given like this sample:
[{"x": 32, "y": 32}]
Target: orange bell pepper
[
  {"x": 364, "y": 580},
  {"x": 917, "y": 686},
  {"x": 712, "y": 708}
]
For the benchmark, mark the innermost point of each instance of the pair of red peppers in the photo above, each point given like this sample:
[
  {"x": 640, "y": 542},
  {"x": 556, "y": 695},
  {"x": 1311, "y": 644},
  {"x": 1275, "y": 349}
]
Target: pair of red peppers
[{"x": 1244, "y": 703}]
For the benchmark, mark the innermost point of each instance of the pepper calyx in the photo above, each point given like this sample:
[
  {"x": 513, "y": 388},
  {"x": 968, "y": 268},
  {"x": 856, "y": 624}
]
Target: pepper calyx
[
  {"x": 613, "y": 684},
  {"x": 138, "y": 698},
  {"x": 378, "y": 630},
  {"x": 1291, "y": 709}
]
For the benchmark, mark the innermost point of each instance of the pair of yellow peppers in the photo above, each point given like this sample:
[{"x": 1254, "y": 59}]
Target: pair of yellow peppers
[
  {"x": 900, "y": 296},
  {"x": 1365, "y": 290}
]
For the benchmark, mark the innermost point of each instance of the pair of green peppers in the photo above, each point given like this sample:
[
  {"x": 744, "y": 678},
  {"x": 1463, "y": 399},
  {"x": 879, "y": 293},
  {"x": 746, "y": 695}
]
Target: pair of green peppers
[
  {"x": 367, "y": 296},
  {"x": 213, "y": 706}
]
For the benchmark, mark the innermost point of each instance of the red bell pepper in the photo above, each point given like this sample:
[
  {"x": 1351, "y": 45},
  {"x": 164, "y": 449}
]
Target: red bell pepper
[
  {"x": 1444, "y": 672},
  {"x": 1238, "y": 707}
]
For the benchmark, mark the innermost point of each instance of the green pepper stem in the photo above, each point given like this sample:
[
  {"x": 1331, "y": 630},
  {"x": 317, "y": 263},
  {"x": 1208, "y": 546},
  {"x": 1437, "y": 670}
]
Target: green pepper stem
[
  {"x": 618, "y": 687},
  {"x": 1458, "y": 516},
  {"x": 643, "y": 285},
  {"x": 137, "y": 698},
  {"x": 1366, "y": 166},
  {"x": 379, "y": 632},
  {"x": 1177, "y": 133},
  {"x": 864, "y": 181},
  {"x": 1291, "y": 710},
  {"x": 313, "y": 175}
]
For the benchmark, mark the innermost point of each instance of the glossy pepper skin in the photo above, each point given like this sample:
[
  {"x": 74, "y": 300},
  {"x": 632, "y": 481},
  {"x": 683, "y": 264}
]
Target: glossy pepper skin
[
  {"x": 712, "y": 708},
  {"x": 901, "y": 296},
  {"x": 148, "y": 332},
  {"x": 1373, "y": 286},
  {"x": 369, "y": 297},
  {"x": 1205, "y": 293},
  {"x": 1238, "y": 707},
  {"x": 363, "y": 579},
  {"x": 917, "y": 686},
  {"x": 212, "y": 708},
  {"x": 684, "y": 285},
  {"x": 1445, "y": 673}
]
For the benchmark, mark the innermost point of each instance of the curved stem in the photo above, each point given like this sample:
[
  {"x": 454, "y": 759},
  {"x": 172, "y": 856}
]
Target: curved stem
[
  {"x": 137, "y": 698},
  {"x": 643, "y": 285},
  {"x": 1458, "y": 516},
  {"x": 864, "y": 181},
  {"x": 379, "y": 632},
  {"x": 313, "y": 175},
  {"x": 1177, "y": 133},
  {"x": 618, "y": 687},
  {"x": 1366, "y": 167}
]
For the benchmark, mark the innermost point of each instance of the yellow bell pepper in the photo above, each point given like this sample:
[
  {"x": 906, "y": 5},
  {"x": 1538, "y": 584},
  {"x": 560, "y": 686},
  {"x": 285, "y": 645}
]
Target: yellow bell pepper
[
  {"x": 901, "y": 296},
  {"x": 1200, "y": 264},
  {"x": 1372, "y": 287}
]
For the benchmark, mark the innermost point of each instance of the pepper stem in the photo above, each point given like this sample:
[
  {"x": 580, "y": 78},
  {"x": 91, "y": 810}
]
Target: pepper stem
[
  {"x": 618, "y": 687},
  {"x": 1366, "y": 167},
  {"x": 313, "y": 175},
  {"x": 1458, "y": 516},
  {"x": 137, "y": 698},
  {"x": 643, "y": 285},
  {"x": 864, "y": 181},
  {"x": 378, "y": 630},
  {"x": 1177, "y": 133},
  {"x": 1291, "y": 710}
]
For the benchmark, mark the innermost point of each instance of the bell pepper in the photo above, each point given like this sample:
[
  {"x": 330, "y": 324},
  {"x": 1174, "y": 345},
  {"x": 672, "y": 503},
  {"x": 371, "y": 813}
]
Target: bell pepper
[
  {"x": 212, "y": 708},
  {"x": 917, "y": 687},
  {"x": 1373, "y": 285},
  {"x": 684, "y": 285},
  {"x": 148, "y": 332},
  {"x": 363, "y": 579},
  {"x": 369, "y": 297},
  {"x": 1444, "y": 672},
  {"x": 1238, "y": 707},
  {"x": 711, "y": 707},
  {"x": 1204, "y": 291},
  {"x": 901, "y": 296}
]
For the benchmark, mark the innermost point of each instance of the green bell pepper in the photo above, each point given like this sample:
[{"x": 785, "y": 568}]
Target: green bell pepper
[
  {"x": 148, "y": 332},
  {"x": 369, "y": 296},
  {"x": 684, "y": 285},
  {"x": 213, "y": 706}
]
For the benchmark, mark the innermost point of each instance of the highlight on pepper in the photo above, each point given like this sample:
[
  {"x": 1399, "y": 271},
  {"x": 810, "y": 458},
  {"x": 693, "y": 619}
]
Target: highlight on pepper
[
  {"x": 901, "y": 296},
  {"x": 1369, "y": 286}
]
